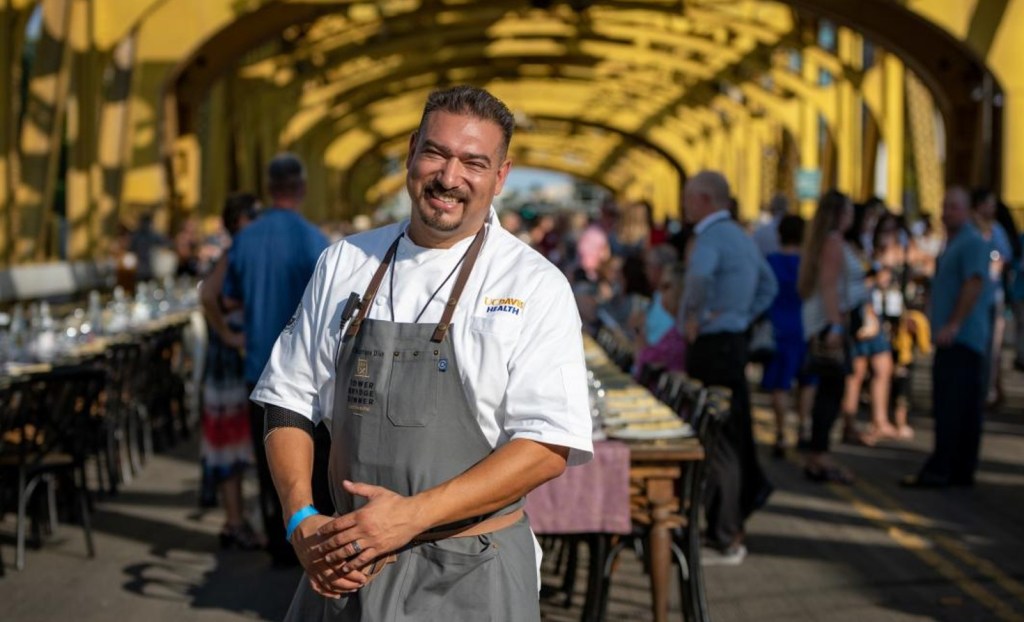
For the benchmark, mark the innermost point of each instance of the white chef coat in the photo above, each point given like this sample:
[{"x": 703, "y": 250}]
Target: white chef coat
[{"x": 515, "y": 332}]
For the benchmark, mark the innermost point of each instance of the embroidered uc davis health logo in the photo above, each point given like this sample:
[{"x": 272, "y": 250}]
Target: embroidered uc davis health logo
[{"x": 513, "y": 306}]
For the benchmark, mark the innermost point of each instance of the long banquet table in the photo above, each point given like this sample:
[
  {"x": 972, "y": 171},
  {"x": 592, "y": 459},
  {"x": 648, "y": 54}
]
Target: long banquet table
[{"x": 646, "y": 474}]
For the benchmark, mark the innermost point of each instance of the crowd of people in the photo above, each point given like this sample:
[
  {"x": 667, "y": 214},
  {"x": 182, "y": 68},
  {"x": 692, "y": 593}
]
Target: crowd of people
[{"x": 848, "y": 301}]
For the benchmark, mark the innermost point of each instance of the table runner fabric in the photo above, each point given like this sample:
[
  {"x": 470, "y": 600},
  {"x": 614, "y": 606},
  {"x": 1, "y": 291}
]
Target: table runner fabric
[{"x": 592, "y": 498}]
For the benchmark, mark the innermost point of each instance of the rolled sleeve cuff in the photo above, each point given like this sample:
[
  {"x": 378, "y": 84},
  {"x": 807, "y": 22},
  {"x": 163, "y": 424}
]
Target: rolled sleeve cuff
[{"x": 581, "y": 449}]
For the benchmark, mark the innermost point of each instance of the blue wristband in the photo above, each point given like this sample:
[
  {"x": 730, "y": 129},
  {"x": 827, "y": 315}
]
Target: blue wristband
[{"x": 297, "y": 518}]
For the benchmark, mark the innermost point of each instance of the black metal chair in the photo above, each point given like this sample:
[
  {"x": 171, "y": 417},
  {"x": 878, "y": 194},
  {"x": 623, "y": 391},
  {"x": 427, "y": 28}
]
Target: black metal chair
[
  {"x": 705, "y": 410},
  {"x": 686, "y": 542},
  {"x": 116, "y": 456},
  {"x": 46, "y": 441}
]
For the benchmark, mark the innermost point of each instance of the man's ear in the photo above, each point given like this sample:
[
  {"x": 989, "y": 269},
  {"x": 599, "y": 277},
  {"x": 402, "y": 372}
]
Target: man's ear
[
  {"x": 503, "y": 170},
  {"x": 413, "y": 138}
]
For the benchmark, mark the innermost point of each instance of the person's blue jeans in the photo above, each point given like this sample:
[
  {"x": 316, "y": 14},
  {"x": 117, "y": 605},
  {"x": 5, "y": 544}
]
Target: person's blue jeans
[{"x": 958, "y": 375}]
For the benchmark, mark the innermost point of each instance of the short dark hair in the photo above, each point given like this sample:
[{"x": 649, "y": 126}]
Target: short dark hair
[
  {"x": 286, "y": 176},
  {"x": 475, "y": 102},
  {"x": 791, "y": 230},
  {"x": 980, "y": 194},
  {"x": 237, "y": 206}
]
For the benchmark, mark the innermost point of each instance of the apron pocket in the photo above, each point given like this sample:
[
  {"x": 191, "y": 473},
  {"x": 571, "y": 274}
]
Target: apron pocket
[
  {"x": 452, "y": 580},
  {"x": 412, "y": 391}
]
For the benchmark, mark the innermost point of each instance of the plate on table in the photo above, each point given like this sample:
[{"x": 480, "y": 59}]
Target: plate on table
[
  {"x": 684, "y": 430},
  {"x": 653, "y": 416}
]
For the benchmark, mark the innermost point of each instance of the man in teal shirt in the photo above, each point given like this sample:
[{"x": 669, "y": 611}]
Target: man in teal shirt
[{"x": 962, "y": 327}]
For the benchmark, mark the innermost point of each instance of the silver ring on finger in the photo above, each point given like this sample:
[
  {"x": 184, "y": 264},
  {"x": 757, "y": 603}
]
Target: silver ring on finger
[{"x": 355, "y": 547}]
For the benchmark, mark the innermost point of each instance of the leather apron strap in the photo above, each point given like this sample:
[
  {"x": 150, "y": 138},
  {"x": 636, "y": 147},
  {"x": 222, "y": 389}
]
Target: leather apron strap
[
  {"x": 449, "y": 309},
  {"x": 460, "y": 284},
  {"x": 371, "y": 290}
]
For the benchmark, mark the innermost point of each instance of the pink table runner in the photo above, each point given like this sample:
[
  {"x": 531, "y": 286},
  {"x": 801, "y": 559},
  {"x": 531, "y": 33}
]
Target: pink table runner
[{"x": 593, "y": 498}]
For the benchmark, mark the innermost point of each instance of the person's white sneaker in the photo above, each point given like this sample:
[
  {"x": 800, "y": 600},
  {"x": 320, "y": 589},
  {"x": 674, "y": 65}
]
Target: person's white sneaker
[{"x": 731, "y": 556}]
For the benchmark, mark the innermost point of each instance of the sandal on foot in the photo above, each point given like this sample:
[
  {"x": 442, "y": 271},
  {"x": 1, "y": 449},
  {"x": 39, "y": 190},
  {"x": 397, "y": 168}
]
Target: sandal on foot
[{"x": 905, "y": 433}]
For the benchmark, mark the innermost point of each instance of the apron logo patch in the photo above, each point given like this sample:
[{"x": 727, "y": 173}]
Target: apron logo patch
[
  {"x": 360, "y": 395},
  {"x": 362, "y": 368},
  {"x": 513, "y": 306},
  {"x": 442, "y": 365}
]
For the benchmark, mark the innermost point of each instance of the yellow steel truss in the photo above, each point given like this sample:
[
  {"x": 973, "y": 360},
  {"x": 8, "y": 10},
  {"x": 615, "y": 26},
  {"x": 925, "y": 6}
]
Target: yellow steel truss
[{"x": 167, "y": 105}]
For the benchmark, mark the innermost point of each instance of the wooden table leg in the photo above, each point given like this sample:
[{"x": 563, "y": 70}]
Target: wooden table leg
[{"x": 660, "y": 493}]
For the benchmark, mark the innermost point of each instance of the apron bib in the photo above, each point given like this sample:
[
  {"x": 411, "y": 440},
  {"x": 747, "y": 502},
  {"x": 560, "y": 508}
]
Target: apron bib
[{"x": 402, "y": 421}]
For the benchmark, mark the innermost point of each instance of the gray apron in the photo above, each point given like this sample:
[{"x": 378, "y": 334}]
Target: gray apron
[{"x": 402, "y": 421}]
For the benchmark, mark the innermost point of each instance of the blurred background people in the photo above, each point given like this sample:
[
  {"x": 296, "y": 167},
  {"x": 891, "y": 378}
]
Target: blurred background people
[
  {"x": 226, "y": 449},
  {"x": 728, "y": 283},
  {"x": 983, "y": 207},
  {"x": 668, "y": 351},
  {"x": 831, "y": 284},
  {"x": 961, "y": 321},
  {"x": 269, "y": 264},
  {"x": 767, "y": 234},
  {"x": 784, "y": 370}
]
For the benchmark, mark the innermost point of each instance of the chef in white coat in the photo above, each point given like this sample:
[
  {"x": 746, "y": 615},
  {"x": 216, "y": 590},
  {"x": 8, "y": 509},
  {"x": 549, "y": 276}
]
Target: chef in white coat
[{"x": 445, "y": 356}]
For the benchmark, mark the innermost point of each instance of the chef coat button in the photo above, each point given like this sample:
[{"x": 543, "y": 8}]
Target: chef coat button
[
  {"x": 378, "y": 301},
  {"x": 396, "y": 353},
  {"x": 416, "y": 353}
]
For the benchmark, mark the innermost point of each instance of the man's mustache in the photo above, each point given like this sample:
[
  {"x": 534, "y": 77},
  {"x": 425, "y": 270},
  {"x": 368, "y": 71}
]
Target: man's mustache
[{"x": 438, "y": 190}]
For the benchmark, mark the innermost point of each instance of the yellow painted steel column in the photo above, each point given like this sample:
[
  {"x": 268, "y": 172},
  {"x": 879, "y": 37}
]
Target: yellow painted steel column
[
  {"x": 114, "y": 143},
  {"x": 12, "y": 38},
  {"x": 810, "y": 154},
  {"x": 216, "y": 155},
  {"x": 849, "y": 131},
  {"x": 893, "y": 130},
  {"x": 1005, "y": 59},
  {"x": 247, "y": 166},
  {"x": 921, "y": 115},
  {"x": 83, "y": 175},
  {"x": 771, "y": 144},
  {"x": 751, "y": 157},
  {"x": 41, "y": 134}
]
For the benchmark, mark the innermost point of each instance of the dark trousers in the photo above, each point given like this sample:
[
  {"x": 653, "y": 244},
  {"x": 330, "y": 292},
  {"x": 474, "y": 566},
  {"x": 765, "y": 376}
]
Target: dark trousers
[
  {"x": 958, "y": 377},
  {"x": 736, "y": 483},
  {"x": 270, "y": 506},
  {"x": 828, "y": 399}
]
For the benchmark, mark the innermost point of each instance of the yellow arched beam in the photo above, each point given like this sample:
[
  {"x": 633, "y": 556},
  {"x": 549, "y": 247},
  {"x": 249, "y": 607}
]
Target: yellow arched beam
[
  {"x": 965, "y": 90},
  {"x": 366, "y": 96},
  {"x": 625, "y": 52},
  {"x": 517, "y": 93},
  {"x": 582, "y": 48},
  {"x": 195, "y": 81},
  {"x": 192, "y": 79}
]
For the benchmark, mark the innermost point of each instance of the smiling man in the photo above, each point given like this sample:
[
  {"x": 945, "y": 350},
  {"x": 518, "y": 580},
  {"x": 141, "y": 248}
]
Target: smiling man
[{"x": 445, "y": 407}]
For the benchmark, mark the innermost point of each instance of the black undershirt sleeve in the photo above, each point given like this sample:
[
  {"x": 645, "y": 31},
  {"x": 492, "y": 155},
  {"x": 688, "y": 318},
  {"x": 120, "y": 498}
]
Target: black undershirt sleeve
[{"x": 277, "y": 417}]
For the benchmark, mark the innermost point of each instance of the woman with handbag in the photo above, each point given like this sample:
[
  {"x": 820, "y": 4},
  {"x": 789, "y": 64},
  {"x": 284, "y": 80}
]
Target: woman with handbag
[{"x": 831, "y": 284}]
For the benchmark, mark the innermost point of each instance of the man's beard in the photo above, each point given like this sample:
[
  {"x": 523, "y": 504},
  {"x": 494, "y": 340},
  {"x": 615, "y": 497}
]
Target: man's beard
[{"x": 434, "y": 218}]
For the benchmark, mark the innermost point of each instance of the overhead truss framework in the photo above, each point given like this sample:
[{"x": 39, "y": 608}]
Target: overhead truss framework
[
  {"x": 173, "y": 103},
  {"x": 703, "y": 83}
]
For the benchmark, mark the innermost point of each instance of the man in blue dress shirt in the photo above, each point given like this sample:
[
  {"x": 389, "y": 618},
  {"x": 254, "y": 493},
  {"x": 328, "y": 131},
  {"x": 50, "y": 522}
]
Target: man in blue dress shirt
[{"x": 728, "y": 284}]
